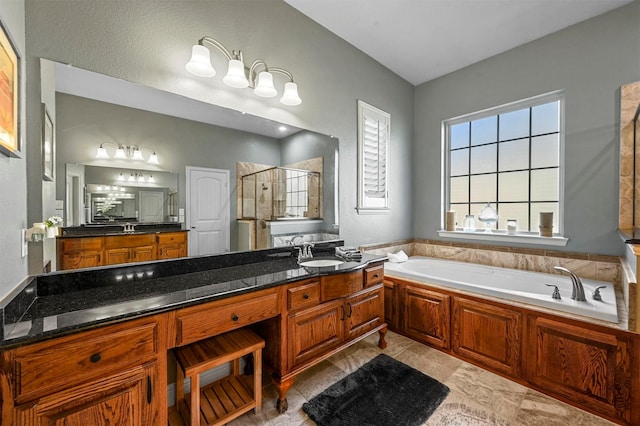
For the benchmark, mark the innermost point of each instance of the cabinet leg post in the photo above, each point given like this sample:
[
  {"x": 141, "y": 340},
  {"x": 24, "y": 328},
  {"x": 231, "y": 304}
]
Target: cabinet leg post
[
  {"x": 282, "y": 386},
  {"x": 382, "y": 344}
]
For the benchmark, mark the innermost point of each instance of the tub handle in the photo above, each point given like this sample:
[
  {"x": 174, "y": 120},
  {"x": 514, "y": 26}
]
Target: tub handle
[
  {"x": 556, "y": 292},
  {"x": 596, "y": 293}
]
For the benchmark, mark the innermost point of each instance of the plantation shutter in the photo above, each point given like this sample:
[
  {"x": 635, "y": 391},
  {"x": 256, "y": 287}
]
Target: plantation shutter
[{"x": 373, "y": 158}]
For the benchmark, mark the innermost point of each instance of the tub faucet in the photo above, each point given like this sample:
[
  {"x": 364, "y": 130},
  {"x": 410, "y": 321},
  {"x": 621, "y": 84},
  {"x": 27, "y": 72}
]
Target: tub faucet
[{"x": 578, "y": 290}]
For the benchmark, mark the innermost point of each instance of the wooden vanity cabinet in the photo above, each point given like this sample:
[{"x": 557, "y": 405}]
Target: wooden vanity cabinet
[
  {"x": 129, "y": 248},
  {"x": 87, "y": 252},
  {"x": 111, "y": 375},
  {"x": 172, "y": 245},
  {"x": 345, "y": 310},
  {"x": 75, "y": 253}
]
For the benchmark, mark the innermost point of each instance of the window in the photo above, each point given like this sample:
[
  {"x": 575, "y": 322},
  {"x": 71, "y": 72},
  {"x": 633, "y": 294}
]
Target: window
[
  {"x": 373, "y": 158},
  {"x": 508, "y": 156}
]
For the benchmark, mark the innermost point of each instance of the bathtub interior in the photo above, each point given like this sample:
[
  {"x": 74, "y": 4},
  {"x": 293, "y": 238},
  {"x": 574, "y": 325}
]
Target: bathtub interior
[{"x": 511, "y": 284}]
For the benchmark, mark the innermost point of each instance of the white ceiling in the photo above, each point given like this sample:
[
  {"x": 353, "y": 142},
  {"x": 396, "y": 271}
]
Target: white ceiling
[{"x": 423, "y": 39}]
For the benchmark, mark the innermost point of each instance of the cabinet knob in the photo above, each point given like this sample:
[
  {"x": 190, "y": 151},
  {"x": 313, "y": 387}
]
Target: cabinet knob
[
  {"x": 95, "y": 358},
  {"x": 305, "y": 296},
  {"x": 375, "y": 275},
  {"x": 235, "y": 317}
]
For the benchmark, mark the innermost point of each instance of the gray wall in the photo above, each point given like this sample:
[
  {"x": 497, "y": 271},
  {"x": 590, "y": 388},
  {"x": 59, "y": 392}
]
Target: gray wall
[
  {"x": 13, "y": 171},
  {"x": 590, "y": 61}
]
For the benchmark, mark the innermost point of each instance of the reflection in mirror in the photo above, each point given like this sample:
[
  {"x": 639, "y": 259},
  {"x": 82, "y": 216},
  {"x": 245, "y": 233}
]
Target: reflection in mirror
[
  {"x": 92, "y": 109},
  {"x": 126, "y": 195}
]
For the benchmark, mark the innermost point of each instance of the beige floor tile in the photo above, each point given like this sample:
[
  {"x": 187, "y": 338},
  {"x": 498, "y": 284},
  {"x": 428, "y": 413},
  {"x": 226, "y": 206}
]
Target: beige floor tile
[
  {"x": 538, "y": 409},
  {"x": 493, "y": 393},
  {"x": 430, "y": 361}
]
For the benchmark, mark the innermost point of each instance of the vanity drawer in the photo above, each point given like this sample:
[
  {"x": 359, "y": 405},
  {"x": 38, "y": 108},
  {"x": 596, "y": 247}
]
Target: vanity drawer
[
  {"x": 303, "y": 295},
  {"x": 373, "y": 276},
  {"x": 80, "y": 243},
  {"x": 340, "y": 285},
  {"x": 123, "y": 241},
  {"x": 203, "y": 321},
  {"x": 172, "y": 237},
  {"x": 47, "y": 367}
]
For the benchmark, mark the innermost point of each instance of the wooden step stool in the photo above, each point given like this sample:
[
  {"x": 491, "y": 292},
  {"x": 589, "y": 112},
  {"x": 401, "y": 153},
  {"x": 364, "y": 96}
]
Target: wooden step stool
[{"x": 229, "y": 397}]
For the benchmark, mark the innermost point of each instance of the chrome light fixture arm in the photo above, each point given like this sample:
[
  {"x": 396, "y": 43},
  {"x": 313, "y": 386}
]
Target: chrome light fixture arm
[{"x": 215, "y": 43}]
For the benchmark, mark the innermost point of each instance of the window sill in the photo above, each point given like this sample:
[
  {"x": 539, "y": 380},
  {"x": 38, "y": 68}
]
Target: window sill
[
  {"x": 373, "y": 210},
  {"x": 521, "y": 238}
]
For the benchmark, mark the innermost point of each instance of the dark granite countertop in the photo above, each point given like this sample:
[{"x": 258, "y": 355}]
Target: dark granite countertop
[
  {"x": 61, "y": 303},
  {"x": 109, "y": 229}
]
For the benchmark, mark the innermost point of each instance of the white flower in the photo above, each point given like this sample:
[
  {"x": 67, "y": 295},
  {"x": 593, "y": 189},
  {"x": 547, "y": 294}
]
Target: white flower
[{"x": 53, "y": 221}]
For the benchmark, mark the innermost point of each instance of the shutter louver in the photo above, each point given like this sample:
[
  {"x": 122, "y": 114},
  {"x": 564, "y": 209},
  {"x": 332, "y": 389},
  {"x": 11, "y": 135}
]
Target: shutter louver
[{"x": 375, "y": 157}]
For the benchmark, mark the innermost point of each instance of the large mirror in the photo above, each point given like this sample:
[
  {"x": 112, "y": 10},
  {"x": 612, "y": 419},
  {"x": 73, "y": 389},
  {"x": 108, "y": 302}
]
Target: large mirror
[{"x": 94, "y": 110}]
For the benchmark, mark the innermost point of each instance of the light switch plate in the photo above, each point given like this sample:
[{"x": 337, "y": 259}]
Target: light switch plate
[{"x": 59, "y": 204}]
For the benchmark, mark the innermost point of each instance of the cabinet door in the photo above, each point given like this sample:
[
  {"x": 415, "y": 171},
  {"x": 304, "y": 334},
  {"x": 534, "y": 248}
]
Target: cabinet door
[
  {"x": 427, "y": 316},
  {"x": 122, "y": 399},
  {"x": 591, "y": 367},
  {"x": 143, "y": 254},
  {"x": 115, "y": 256},
  {"x": 487, "y": 334},
  {"x": 77, "y": 260},
  {"x": 168, "y": 251},
  {"x": 314, "y": 331},
  {"x": 364, "y": 312}
]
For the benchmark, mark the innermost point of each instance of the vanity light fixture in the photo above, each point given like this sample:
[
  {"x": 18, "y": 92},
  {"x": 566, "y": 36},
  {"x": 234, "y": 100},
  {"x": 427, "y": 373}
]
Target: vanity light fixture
[
  {"x": 260, "y": 75},
  {"x": 124, "y": 152}
]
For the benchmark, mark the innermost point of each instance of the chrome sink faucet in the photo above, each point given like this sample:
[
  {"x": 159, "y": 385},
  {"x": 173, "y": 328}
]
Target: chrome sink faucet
[
  {"x": 578, "y": 290},
  {"x": 304, "y": 252},
  {"x": 129, "y": 227}
]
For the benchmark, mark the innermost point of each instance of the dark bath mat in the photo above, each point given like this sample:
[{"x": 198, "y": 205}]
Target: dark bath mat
[{"x": 381, "y": 392}]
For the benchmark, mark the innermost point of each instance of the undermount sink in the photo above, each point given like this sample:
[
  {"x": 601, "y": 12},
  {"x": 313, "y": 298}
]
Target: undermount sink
[{"x": 319, "y": 263}]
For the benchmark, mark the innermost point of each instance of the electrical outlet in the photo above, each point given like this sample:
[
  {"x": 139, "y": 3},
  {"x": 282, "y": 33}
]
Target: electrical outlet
[{"x": 24, "y": 243}]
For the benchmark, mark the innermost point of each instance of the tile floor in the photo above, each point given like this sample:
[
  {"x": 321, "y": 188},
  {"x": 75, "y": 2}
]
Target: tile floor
[{"x": 477, "y": 398}]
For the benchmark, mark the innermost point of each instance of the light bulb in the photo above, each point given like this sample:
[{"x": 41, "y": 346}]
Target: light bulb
[
  {"x": 102, "y": 152},
  {"x": 200, "y": 63},
  {"x": 153, "y": 158},
  {"x": 235, "y": 75},
  {"x": 137, "y": 154},
  {"x": 264, "y": 87},
  {"x": 120, "y": 153},
  {"x": 290, "y": 95}
]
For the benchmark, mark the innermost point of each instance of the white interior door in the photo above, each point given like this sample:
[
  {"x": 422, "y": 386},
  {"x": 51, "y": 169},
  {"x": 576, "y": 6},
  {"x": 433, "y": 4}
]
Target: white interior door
[
  {"x": 208, "y": 215},
  {"x": 151, "y": 206}
]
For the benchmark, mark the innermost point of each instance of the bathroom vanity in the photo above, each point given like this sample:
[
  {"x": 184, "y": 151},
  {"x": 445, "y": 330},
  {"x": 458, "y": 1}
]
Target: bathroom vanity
[
  {"x": 75, "y": 354},
  {"x": 101, "y": 245}
]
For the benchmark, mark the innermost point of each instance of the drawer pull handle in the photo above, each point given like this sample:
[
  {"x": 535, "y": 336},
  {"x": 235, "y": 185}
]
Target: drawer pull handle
[
  {"x": 343, "y": 312},
  {"x": 95, "y": 358},
  {"x": 235, "y": 317},
  {"x": 305, "y": 296},
  {"x": 149, "y": 390},
  {"x": 350, "y": 310},
  {"x": 375, "y": 275}
]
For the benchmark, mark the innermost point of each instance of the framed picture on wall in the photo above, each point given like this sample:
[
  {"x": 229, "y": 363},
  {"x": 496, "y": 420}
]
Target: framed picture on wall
[
  {"x": 48, "y": 145},
  {"x": 9, "y": 95}
]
